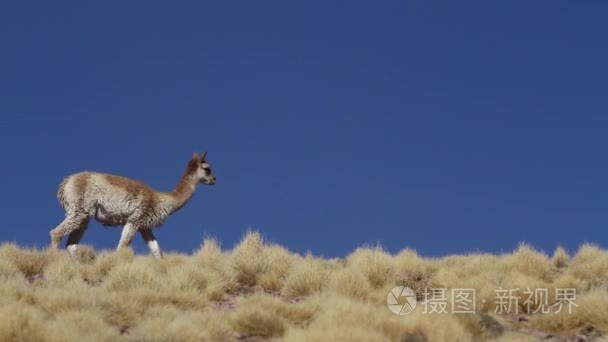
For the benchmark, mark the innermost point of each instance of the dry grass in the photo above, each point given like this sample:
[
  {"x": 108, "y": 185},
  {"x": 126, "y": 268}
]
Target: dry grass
[{"x": 259, "y": 291}]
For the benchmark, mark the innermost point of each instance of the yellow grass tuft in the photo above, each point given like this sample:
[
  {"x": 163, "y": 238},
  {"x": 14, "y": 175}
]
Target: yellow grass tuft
[
  {"x": 265, "y": 316},
  {"x": 23, "y": 323},
  {"x": 85, "y": 323},
  {"x": 8, "y": 270},
  {"x": 131, "y": 277},
  {"x": 28, "y": 262},
  {"x": 168, "y": 325},
  {"x": 351, "y": 284},
  {"x": 374, "y": 264},
  {"x": 414, "y": 272},
  {"x": 530, "y": 262},
  {"x": 308, "y": 276},
  {"x": 249, "y": 260},
  {"x": 258, "y": 320},
  {"x": 586, "y": 317},
  {"x": 259, "y": 291},
  {"x": 279, "y": 261},
  {"x": 561, "y": 258},
  {"x": 590, "y": 264}
]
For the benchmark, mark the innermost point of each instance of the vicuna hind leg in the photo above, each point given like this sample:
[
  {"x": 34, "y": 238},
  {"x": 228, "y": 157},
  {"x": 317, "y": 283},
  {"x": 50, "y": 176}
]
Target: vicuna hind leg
[
  {"x": 75, "y": 237},
  {"x": 128, "y": 232},
  {"x": 151, "y": 242},
  {"x": 71, "y": 223}
]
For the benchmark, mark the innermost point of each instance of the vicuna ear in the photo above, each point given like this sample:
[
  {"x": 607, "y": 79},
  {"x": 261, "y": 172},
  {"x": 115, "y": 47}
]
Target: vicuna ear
[
  {"x": 203, "y": 156},
  {"x": 195, "y": 155}
]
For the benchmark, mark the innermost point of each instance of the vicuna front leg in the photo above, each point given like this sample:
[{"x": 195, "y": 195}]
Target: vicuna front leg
[
  {"x": 128, "y": 232},
  {"x": 71, "y": 223},
  {"x": 151, "y": 242},
  {"x": 74, "y": 238}
]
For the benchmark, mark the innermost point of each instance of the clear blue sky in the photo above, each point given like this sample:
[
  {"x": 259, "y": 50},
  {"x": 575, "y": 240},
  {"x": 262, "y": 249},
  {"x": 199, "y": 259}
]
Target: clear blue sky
[{"x": 446, "y": 127}]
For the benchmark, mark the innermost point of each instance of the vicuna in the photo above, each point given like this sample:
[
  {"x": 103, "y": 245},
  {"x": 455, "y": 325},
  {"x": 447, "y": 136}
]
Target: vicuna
[{"x": 115, "y": 201}]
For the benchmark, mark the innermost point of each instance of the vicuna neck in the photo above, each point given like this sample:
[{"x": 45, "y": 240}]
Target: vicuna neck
[{"x": 184, "y": 190}]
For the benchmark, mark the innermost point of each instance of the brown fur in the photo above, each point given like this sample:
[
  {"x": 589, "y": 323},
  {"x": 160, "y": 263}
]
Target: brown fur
[
  {"x": 61, "y": 192},
  {"x": 80, "y": 185},
  {"x": 135, "y": 188}
]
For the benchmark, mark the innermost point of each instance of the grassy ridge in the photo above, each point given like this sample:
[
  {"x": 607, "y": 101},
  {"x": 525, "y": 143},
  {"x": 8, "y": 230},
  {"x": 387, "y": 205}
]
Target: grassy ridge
[{"x": 259, "y": 291}]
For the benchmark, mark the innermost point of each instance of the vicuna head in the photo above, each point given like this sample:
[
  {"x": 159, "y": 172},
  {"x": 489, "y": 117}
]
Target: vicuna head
[{"x": 203, "y": 169}]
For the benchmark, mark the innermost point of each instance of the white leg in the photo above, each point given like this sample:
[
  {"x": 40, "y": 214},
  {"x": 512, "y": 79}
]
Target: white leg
[
  {"x": 74, "y": 238},
  {"x": 152, "y": 243},
  {"x": 128, "y": 232},
  {"x": 72, "y": 250}
]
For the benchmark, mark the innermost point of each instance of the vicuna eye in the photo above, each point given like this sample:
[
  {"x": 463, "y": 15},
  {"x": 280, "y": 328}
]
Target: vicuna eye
[{"x": 208, "y": 170}]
